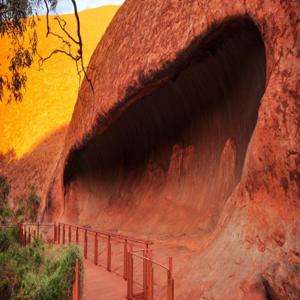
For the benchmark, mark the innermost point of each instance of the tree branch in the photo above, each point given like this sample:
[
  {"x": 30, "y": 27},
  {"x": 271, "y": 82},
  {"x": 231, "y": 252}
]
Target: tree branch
[
  {"x": 56, "y": 51},
  {"x": 62, "y": 24},
  {"x": 80, "y": 51},
  {"x": 47, "y": 17},
  {"x": 63, "y": 28}
]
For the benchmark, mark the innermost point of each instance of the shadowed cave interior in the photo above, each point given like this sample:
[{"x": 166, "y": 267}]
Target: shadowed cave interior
[{"x": 168, "y": 164}]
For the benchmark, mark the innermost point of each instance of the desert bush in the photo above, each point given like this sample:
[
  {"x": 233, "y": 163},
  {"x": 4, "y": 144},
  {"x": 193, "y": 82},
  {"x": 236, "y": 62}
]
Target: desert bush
[
  {"x": 55, "y": 277},
  {"x": 37, "y": 272},
  {"x": 34, "y": 272},
  {"x": 4, "y": 190},
  {"x": 9, "y": 237},
  {"x": 28, "y": 205},
  {"x": 6, "y": 213},
  {"x": 33, "y": 203}
]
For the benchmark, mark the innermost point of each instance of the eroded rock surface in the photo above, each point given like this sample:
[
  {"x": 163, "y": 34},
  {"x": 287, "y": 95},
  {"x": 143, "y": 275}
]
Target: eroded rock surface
[{"x": 192, "y": 138}]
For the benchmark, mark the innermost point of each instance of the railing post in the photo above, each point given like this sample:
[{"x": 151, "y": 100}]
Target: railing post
[
  {"x": 58, "y": 233},
  {"x": 108, "y": 254},
  {"x": 151, "y": 281},
  {"x": 129, "y": 275},
  {"x": 147, "y": 273},
  {"x": 34, "y": 234},
  {"x": 125, "y": 260},
  {"x": 170, "y": 280},
  {"x": 149, "y": 278},
  {"x": 54, "y": 233},
  {"x": 29, "y": 237},
  {"x": 70, "y": 234},
  {"x": 77, "y": 236},
  {"x": 96, "y": 249},
  {"x": 64, "y": 234},
  {"x": 145, "y": 264},
  {"x": 21, "y": 233},
  {"x": 85, "y": 244},
  {"x": 38, "y": 229},
  {"x": 25, "y": 237}
]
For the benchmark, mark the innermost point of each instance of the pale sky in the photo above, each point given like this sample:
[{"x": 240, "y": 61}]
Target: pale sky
[{"x": 65, "y": 6}]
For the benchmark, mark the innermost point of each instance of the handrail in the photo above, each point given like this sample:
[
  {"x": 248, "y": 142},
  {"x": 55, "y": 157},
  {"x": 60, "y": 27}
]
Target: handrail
[
  {"x": 106, "y": 233},
  {"x": 62, "y": 234},
  {"x": 8, "y": 226},
  {"x": 148, "y": 276},
  {"x": 35, "y": 224},
  {"x": 150, "y": 259}
]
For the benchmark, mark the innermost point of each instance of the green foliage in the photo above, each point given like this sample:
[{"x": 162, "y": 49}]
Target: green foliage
[
  {"x": 9, "y": 237},
  {"x": 33, "y": 202},
  {"x": 33, "y": 272},
  {"x": 36, "y": 272},
  {"x": 4, "y": 190},
  {"x": 6, "y": 214},
  {"x": 28, "y": 205},
  {"x": 57, "y": 279},
  {"x": 14, "y": 23}
]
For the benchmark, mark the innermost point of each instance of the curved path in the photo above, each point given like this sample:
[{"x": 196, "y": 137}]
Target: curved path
[{"x": 104, "y": 256}]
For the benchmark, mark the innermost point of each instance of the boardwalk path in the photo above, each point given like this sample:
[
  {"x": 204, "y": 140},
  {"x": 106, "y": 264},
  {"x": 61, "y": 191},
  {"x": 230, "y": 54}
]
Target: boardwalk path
[
  {"x": 103, "y": 252},
  {"x": 100, "y": 284}
]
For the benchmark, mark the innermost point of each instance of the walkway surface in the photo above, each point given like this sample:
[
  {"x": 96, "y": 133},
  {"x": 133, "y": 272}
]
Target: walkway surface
[{"x": 100, "y": 284}]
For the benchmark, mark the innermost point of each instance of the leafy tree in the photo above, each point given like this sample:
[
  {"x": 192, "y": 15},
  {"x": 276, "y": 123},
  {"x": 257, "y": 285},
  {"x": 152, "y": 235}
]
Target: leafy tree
[{"x": 14, "y": 23}]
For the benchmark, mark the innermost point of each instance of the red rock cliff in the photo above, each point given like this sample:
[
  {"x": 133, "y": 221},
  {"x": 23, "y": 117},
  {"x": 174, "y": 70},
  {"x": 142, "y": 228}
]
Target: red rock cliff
[{"x": 191, "y": 136}]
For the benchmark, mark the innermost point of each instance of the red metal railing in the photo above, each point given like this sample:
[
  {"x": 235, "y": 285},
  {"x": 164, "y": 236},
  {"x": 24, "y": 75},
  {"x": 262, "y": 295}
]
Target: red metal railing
[
  {"x": 31, "y": 231},
  {"x": 145, "y": 288},
  {"x": 106, "y": 249},
  {"x": 126, "y": 256}
]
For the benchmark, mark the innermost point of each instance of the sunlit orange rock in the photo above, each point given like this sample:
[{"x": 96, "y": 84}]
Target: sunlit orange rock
[{"x": 32, "y": 132}]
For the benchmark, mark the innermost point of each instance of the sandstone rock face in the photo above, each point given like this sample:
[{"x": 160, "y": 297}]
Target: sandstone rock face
[
  {"x": 35, "y": 168},
  {"x": 191, "y": 137}
]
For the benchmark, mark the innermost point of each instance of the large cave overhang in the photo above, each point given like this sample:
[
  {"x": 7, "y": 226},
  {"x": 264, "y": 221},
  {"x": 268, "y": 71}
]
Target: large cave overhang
[{"x": 170, "y": 159}]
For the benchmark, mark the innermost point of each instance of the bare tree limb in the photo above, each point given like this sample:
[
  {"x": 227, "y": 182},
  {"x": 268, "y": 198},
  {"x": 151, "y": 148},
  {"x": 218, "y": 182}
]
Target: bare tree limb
[
  {"x": 56, "y": 51},
  {"x": 80, "y": 51},
  {"x": 78, "y": 58},
  {"x": 63, "y": 28},
  {"x": 47, "y": 17}
]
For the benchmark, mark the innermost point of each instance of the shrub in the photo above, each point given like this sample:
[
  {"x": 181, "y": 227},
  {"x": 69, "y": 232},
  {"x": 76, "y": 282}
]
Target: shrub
[
  {"x": 33, "y": 272},
  {"x": 8, "y": 238},
  {"x": 28, "y": 205},
  {"x": 4, "y": 190},
  {"x": 6, "y": 214},
  {"x": 58, "y": 284},
  {"x": 33, "y": 202},
  {"x": 55, "y": 279},
  {"x": 37, "y": 272}
]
